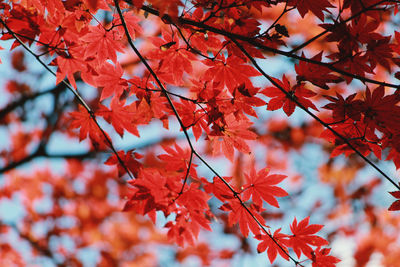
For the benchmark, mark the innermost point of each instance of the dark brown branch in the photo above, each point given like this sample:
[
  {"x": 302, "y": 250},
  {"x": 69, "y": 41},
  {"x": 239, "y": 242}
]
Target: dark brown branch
[
  {"x": 25, "y": 98},
  {"x": 77, "y": 96},
  {"x": 256, "y": 43},
  {"x": 344, "y": 139},
  {"x": 42, "y": 153},
  {"x": 184, "y": 129},
  {"x": 36, "y": 246},
  {"x": 365, "y": 9}
]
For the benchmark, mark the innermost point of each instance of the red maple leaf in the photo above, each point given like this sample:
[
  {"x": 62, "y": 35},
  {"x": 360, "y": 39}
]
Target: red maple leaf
[
  {"x": 103, "y": 44},
  {"x": 244, "y": 100},
  {"x": 316, "y": 74},
  {"x": 193, "y": 118},
  {"x": 356, "y": 64},
  {"x": 395, "y": 205},
  {"x": 262, "y": 186},
  {"x": 219, "y": 188},
  {"x": 120, "y": 116},
  {"x": 110, "y": 79},
  {"x": 69, "y": 63},
  {"x": 315, "y": 6},
  {"x": 151, "y": 184},
  {"x": 67, "y": 66},
  {"x": 303, "y": 236},
  {"x": 83, "y": 120},
  {"x": 131, "y": 21},
  {"x": 231, "y": 135},
  {"x": 270, "y": 244},
  {"x": 280, "y": 99},
  {"x": 344, "y": 107},
  {"x": 177, "y": 160},
  {"x": 381, "y": 111},
  {"x": 194, "y": 199},
  {"x": 321, "y": 258},
  {"x": 239, "y": 214},
  {"x": 379, "y": 51},
  {"x": 174, "y": 58},
  {"x": 230, "y": 72},
  {"x": 360, "y": 136},
  {"x": 128, "y": 159},
  {"x": 186, "y": 227}
]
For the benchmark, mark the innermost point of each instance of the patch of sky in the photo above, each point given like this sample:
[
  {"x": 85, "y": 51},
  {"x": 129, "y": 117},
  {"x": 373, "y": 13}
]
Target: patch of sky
[
  {"x": 344, "y": 248},
  {"x": 306, "y": 162},
  {"x": 11, "y": 210},
  {"x": 44, "y": 205},
  {"x": 89, "y": 256},
  {"x": 66, "y": 222}
]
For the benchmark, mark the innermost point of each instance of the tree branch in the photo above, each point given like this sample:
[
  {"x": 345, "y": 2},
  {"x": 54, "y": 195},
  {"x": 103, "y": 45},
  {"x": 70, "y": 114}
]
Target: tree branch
[
  {"x": 36, "y": 245},
  {"x": 77, "y": 96},
  {"x": 184, "y": 129},
  {"x": 256, "y": 43},
  {"x": 365, "y": 9},
  {"x": 347, "y": 142}
]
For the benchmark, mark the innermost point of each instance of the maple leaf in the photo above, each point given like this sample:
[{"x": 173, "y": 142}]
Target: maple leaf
[
  {"x": 280, "y": 99},
  {"x": 344, "y": 107},
  {"x": 193, "y": 118},
  {"x": 356, "y": 64},
  {"x": 396, "y": 47},
  {"x": 186, "y": 227},
  {"x": 132, "y": 23},
  {"x": 270, "y": 244},
  {"x": 174, "y": 59},
  {"x": 244, "y": 100},
  {"x": 395, "y": 205},
  {"x": 129, "y": 159},
  {"x": 110, "y": 78},
  {"x": 260, "y": 186},
  {"x": 315, "y": 6},
  {"x": 219, "y": 188},
  {"x": 24, "y": 22},
  {"x": 363, "y": 30},
  {"x": 381, "y": 111},
  {"x": 357, "y": 6},
  {"x": 316, "y": 74},
  {"x": 152, "y": 186},
  {"x": 142, "y": 202},
  {"x": 177, "y": 160},
  {"x": 120, "y": 116},
  {"x": 379, "y": 51},
  {"x": 360, "y": 136},
  {"x": 244, "y": 26},
  {"x": 303, "y": 236},
  {"x": 194, "y": 199},
  {"x": 68, "y": 65},
  {"x": 231, "y": 135},
  {"x": 239, "y": 214},
  {"x": 321, "y": 258},
  {"x": 215, "y": 98},
  {"x": 230, "y": 72},
  {"x": 83, "y": 120},
  {"x": 102, "y": 44}
]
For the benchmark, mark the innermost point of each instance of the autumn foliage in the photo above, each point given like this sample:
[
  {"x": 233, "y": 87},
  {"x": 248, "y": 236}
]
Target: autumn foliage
[{"x": 136, "y": 129}]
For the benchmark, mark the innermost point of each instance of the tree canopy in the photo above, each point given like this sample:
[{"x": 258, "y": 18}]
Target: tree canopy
[{"x": 137, "y": 129}]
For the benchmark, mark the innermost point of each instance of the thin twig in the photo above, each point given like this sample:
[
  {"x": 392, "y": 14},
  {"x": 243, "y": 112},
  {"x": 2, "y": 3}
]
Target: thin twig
[
  {"x": 344, "y": 139},
  {"x": 256, "y": 43},
  {"x": 25, "y": 98},
  {"x": 77, "y": 96},
  {"x": 297, "y": 48},
  {"x": 37, "y": 246},
  {"x": 184, "y": 129}
]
